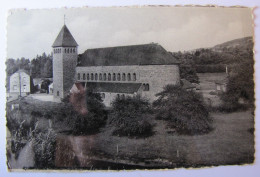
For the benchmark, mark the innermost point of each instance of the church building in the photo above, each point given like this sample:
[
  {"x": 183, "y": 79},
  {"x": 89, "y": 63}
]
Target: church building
[{"x": 113, "y": 71}]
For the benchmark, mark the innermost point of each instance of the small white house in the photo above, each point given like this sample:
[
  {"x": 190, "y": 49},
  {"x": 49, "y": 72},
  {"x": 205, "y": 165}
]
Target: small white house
[{"x": 20, "y": 83}]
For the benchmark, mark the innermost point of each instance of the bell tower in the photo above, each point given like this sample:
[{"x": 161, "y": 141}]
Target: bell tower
[{"x": 65, "y": 53}]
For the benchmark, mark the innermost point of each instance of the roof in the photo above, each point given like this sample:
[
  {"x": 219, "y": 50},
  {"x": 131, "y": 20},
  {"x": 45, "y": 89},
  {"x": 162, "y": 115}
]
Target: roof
[
  {"x": 22, "y": 71},
  {"x": 114, "y": 87},
  {"x": 186, "y": 84},
  {"x": 64, "y": 39},
  {"x": 145, "y": 54}
]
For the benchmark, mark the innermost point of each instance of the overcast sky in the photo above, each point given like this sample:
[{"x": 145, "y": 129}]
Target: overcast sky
[{"x": 32, "y": 32}]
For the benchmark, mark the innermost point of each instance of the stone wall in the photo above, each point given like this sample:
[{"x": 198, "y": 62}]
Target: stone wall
[
  {"x": 157, "y": 76},
  {"x": 57, "y": 74},
  {"x": 69, "y": 65},
  {"x": 64, "y": 65}
]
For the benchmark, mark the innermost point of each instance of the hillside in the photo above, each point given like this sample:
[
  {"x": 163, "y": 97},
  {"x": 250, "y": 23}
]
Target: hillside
[{"x": 241, "y": 43}]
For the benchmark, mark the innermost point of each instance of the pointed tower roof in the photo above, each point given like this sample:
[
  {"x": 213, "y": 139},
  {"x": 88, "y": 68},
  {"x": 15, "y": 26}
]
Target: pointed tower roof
[{"x": 64, "y": 39}]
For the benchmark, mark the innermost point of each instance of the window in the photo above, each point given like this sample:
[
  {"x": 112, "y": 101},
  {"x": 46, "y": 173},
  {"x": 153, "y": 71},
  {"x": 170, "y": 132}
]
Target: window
[
  {"x": 96, "y": 76},
  {"x": 114, "y": 76},
  {"x": 70, "y": 50},
  {"x": 92, "y": 76},
  {"x": 103, "y": 96},
  {"x": 118, "y": 76},
  {"x": 65, "y": 50},
  {"x": 134, "y": 77},
  {"x": 88, "y": 76},
  {"x": 78, "y": 76},
  {"x": 84, "y": 76},
  {"x": 74, "y": 50},
  {"x": 109, "y": 77},
  {"x": 123, "y": 96},
  {"x": 58, "y": 93},
  {"x": 129, "y": 77},
  {"x": 123, "y": 77},
  {"x": 105, "y": 76},
  {"x": 117, "y": 95},
  {"x": 15, "y": 87},
  {"x": 100, "y": 76},
  {"x": 147, "y": 87}
]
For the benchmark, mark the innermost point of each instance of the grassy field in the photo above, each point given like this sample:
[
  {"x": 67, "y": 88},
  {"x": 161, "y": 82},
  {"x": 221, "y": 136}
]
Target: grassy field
[{"x": 229, "y": 143}]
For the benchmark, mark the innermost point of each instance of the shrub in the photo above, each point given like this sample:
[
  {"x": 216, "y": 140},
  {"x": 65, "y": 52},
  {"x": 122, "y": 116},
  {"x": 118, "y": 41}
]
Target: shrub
[
  {"x": 86, "y": 119},
  {"x": 129, "y": 116},
  {"x": 184, "y": 110},
  {"x": 44, "y": 149}
]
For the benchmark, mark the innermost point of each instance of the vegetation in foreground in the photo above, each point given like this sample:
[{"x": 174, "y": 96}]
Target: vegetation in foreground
[
  {"x": 130, "y": 117},
  {"x": 184, "y": 110}
]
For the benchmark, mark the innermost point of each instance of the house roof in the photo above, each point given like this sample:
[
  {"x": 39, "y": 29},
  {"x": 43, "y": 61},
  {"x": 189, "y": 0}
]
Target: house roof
[
  {"x": 64, "y": 39},
  {"x": 114, "y": 87},
  {"x": 186, "y": 84},
  {"x": 145, "y": 54},
  {"x": 22, "y": 71}
]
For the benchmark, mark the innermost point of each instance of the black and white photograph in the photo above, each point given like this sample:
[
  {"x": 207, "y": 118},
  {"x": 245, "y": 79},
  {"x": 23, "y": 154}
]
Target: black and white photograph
[{"x": 130, "y": 88}]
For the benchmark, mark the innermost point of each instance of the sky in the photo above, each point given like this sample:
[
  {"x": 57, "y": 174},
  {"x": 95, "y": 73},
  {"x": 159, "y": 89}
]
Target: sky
[{"x": 32, "y": 32}]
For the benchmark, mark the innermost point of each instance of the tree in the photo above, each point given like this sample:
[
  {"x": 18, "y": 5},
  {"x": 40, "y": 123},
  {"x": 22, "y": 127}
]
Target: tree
[
  {"x": 84, "y": 112},
  {"x": 240, "y": 84},
  {"x": 185, "y": 111},
  {"x": 130, "y": 116}
]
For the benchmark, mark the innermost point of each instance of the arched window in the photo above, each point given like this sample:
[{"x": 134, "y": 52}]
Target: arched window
[
  {"x": 59, "y": 50},
  {"x": 84, "y": 76},
  {"x": 103, "y": 96},
  {"x": 92, "y": 76},
  {"x": 134, "y": 77},
  {"x": 143, "y": 87},
  {"x": 109, "y": 77},
  {"x": 129, "y": 77},
  {"x": 114, "y": 76},
  {"x": 123, "y": 77},
  {"x": 100, "y": 76},
  {"x": 74, "y": 50},
  {"x": 65, "y": 50},
  {"x": 96, "y": 76},
  {"x": 105, "y": 76},
  {"x": 70, "y": 50},
  {"x": 123, "y": 96},
  {"x": 78, "y": 76},
  {"x": 147, "y": 87},
  {"x": 58, "y": 93},
  {"x": 118, "y": 76},
  {"x": 88, "y": 76},
  {"x": 117, "y": 95}
]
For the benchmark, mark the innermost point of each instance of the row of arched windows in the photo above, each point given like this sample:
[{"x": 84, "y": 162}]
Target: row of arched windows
[
  {"x": 57, "y": 50},
  {"x": 66, "y": 50},
  {"x": 108, "y": 76}
]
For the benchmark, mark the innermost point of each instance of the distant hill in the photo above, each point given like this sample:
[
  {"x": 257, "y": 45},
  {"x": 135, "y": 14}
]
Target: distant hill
[
  {"x": 215, "y": 59},
  {"x": 241, "y": 44}
]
